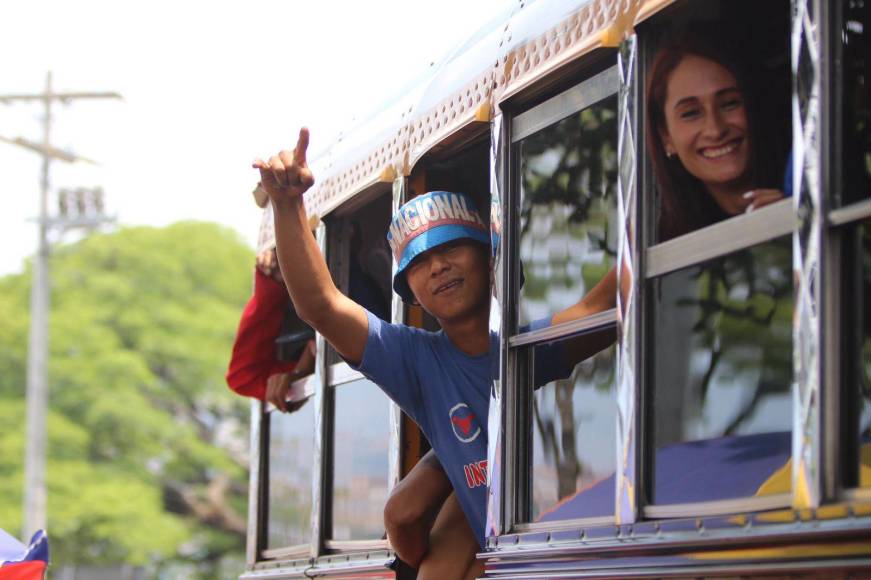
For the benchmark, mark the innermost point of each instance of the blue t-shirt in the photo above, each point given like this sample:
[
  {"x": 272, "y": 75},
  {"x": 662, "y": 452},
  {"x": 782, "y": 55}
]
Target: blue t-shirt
[{"x": 447, "y": 393}]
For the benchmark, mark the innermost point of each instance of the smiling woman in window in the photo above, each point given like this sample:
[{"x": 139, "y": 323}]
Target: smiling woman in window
[
  {"x": 704, "y": 138},
  {"x": 720, "y": 321}
]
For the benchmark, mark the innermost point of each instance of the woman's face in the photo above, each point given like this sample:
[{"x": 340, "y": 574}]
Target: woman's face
[{"x": 706, "y": 125}]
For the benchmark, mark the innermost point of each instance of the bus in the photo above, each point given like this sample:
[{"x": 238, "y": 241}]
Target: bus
[{"x": 727, "y": 431}]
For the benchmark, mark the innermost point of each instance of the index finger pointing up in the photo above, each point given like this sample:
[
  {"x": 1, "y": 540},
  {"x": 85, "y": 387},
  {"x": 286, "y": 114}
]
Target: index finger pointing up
[{"x": 301, "y": 146}]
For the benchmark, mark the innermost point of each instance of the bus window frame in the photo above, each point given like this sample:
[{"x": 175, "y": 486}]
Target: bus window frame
[
  {"x": 737, "y": 233},
  {"x": 329, "y": 375},
  {"x": 517, "y": 475},
  {"x": 265, "y": 411},
  {"x": 835, "y": 229},
  {"x": 338, "y": 373},
  {"x": 257, "y": 551},
  {"x": 307, "y": 386}
]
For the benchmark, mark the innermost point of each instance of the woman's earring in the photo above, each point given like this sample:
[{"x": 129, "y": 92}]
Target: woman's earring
[{"x": 670, "y": 154}]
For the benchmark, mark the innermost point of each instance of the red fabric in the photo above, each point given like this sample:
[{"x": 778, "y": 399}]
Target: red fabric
[
  {"x": 34, "y": 570},
  {"x": 253, "y": 360}
]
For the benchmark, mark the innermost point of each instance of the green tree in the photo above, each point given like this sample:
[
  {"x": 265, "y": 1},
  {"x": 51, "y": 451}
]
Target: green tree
[{"x": 147, "y": 456}]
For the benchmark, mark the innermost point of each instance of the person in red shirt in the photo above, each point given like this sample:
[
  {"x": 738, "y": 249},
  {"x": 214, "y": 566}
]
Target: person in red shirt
[{"x": 254, "y": 369}]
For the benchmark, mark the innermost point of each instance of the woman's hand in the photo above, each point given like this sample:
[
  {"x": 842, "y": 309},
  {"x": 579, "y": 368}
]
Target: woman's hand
[
  {"x": 287, "y": 175},
  {"x": 761, "y": 197},
  {"x": 277, "y": 387},
  {"x": 267, "y": 263}
]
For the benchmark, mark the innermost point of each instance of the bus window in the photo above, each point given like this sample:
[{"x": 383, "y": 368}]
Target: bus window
[
  {"x": 360, "y": 463},
  {"x": 863, "y": 369},
  {"x": 719, "y": 303},
  {"x": 565, "y": 151},
  {"x": 358, "y": 411},
  {"x": 721, "y": 351},
  {"x": 850, "y": 231},
  {"x": 855, "y": 105},
  {"x": 291, "y": 446},
  {"x": 568, "y": 232},
  {"x": 573, "y": 426}
]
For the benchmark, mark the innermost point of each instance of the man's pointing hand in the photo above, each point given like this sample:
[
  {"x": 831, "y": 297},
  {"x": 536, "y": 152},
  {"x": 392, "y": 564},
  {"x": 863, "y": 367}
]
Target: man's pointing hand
[{"x": 286, "y": 175}]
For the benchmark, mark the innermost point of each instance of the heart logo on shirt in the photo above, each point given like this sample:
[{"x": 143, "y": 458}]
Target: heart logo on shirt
[{"x": 463, "y": 423}]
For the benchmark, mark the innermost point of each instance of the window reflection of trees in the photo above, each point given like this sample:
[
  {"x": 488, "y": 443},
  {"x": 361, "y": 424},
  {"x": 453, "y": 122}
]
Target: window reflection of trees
[
  {"x": 580, "y": 454},
  {"x": 736, "y": 314},
  {"x": 568, "y": 209},
  {"x": 568, "y": 242}
]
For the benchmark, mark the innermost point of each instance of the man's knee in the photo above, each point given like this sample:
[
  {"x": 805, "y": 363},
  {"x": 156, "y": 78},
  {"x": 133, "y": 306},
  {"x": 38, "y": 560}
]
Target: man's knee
[
  {"x": 418, "y": 498},
  {"x": 401, "y": 511}
]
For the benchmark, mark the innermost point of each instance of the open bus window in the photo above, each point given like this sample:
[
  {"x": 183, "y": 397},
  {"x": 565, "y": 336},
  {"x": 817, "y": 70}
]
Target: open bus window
[
  {"x": 565, "y": 154},
  {"x": 717, "y": 102},
  {"x": 359, "y": 256},
  {"x": 358, "y": 411},
  {"x": 855, "y": 305},
  {"x": 721, "y": 373},
  {"x": 360, "y": 463},
  {"x": 855, "y": 105},
  {"x": 849, "y": 227},
  {"x": 289, "y": 505}
]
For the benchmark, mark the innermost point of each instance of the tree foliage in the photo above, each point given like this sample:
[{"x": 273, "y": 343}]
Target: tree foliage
[{"x": 146, "y": 445}]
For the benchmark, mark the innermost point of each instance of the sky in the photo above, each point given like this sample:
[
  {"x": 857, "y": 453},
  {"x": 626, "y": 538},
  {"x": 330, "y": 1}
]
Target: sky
[{"x": 206, "y": 88}]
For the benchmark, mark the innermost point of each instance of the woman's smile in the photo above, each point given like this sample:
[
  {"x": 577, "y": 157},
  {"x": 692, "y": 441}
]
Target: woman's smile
[{"x": 715, "y": 153}]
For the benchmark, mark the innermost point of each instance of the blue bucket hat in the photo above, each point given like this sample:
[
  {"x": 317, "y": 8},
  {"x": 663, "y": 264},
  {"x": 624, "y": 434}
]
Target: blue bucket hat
[{"x": 428, "y": 221}]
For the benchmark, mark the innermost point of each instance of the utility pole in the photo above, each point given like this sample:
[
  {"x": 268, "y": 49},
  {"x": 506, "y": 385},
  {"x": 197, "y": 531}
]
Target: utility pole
[{"x": 40, "y": 294}]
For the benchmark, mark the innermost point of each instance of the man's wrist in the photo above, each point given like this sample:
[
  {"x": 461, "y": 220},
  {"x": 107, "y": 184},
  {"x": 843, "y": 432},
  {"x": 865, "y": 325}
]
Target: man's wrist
[{"x": 286, "y": 203}]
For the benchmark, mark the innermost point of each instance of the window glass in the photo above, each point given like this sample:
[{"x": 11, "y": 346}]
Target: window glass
[
  {"x": 721, "y": 342},
  {"x": 291, "y": 448},
  {"x": 568, "y": 231},
  {"x": 856, "y": 102},
  {"x": 362, "y": 437},
  {"x": 864, "y": 370},
  {"x": 574, "y": 430}
]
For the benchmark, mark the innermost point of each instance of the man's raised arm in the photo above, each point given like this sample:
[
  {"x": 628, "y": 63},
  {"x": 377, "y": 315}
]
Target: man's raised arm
[{"x": 315, "y": 297}]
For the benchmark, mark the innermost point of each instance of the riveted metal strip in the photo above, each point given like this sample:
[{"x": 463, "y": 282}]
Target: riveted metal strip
[
  {"x": 807, "y": 335},
  {"x": 497, "y": 476},
  {"x": 256, "y": 455},
  {"x": 628, "y": 280},
  {"x": 320, "y": 521},
  {"x": 397, "y": 313}
]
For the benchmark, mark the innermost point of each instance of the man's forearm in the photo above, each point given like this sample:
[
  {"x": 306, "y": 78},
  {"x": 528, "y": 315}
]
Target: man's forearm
[
  {"x": 286, "y": 177},
  {"x": 303, "y": 267},
  {"x": 601, "y": 297}
]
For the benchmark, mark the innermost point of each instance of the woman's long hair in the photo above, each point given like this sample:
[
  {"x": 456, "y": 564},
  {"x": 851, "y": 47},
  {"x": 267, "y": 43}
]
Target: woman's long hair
[{"x": 685, "y": 204}]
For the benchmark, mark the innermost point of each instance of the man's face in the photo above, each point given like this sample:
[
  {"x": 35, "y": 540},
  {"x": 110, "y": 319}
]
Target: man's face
[{"x": 452, "y": 280}]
